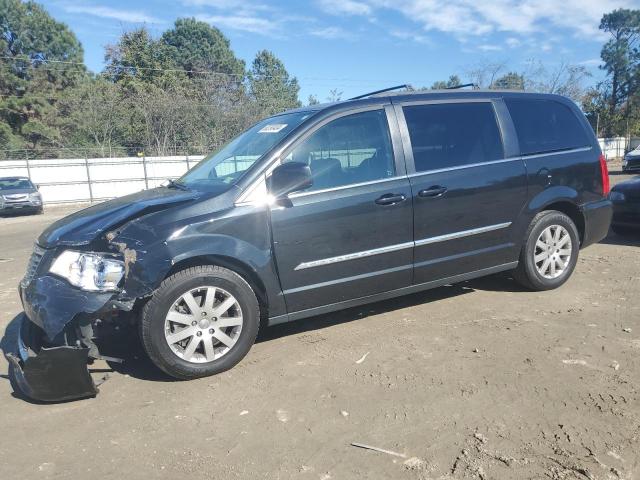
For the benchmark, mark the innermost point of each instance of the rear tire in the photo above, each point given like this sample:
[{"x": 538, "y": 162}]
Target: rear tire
[
  {"x": 550, "y": 252},
  {"x": 158, "y": 331}
]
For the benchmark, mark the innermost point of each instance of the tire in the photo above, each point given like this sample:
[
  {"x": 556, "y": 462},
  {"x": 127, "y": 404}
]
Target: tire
[
  {"x": 527, "y": 273},
  {"x": 156, "y": 330}
]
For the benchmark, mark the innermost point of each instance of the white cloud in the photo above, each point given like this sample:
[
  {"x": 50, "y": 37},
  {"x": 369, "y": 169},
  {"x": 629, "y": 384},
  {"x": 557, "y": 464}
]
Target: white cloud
[
  {"x": 513, "y": 42},
  {"x": 243, "y": 23},
  {"x": 346, "y": 7},
  {"x": 127, "y": 16},
  {"x": 521, "y": 17},
  {"x": 411, "y": 36},
  {"x": 489, "y": 47},
  {"x": 592, "y": 62},
  {"x": 332, "y": 33}
]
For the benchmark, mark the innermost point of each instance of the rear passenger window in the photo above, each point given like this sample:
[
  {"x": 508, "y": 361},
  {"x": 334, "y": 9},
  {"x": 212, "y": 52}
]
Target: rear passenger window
[
  {"x": 452, "y": 135},
  {"x": 351, "y": 149},
  {"x": 545, "y": 126}
]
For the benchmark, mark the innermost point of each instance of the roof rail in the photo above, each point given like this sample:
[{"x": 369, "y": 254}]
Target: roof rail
[
  {"x": 464, "y": 85},
  {"x": 397, "y": 87}
]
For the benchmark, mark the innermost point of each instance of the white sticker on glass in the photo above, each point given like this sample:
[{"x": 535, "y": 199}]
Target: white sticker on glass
[{"x": 273, "y": 128}]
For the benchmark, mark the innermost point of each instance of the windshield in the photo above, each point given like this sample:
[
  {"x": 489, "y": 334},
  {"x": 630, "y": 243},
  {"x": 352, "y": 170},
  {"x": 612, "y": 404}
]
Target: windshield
[
  {"x": 15, "y": 183},
  {"x": 227, "y": 165}
]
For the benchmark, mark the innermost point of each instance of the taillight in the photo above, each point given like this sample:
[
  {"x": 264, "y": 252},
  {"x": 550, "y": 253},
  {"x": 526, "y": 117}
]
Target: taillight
[{"x": 604, "y": 171}]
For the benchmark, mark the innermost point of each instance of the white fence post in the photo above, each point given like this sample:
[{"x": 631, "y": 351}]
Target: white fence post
[{"x": 86, "y": 166}]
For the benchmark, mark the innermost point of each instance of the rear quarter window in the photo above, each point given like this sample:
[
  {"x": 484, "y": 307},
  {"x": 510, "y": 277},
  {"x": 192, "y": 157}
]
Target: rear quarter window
[{"x": 546, "y": 126}]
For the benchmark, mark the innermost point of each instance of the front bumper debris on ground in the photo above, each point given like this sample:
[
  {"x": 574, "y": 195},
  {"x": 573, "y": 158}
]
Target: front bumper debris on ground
[{"x": 54, "y": 375}]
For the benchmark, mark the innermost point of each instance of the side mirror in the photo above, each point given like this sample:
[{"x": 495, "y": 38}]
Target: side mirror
[{"x": 288, "y": 178}]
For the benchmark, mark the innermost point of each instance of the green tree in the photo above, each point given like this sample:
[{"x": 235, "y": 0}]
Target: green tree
[
  {"x": 137, "y": 60},
  {"x": 271, "y": 86},
  {"x": 621, "y": 56},
  {"x": 452, "y": 82},
  {"x": 196, "y": 46},
  {"x": 41, "y": 59},
  {"x": 511, "y": 81}
]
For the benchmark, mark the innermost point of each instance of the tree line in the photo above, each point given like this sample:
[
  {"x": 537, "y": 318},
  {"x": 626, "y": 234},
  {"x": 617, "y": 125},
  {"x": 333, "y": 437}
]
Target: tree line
[{"x": 184, "y": 92}]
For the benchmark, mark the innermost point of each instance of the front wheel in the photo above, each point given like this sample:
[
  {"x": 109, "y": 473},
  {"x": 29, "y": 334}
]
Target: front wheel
[
  {"x": 550, "y": 252},
  {"x": 201, "y": 321}
]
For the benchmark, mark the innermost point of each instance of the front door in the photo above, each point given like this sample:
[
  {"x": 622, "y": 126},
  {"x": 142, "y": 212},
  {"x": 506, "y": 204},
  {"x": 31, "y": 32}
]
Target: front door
[
  {"x": 467, "y": 195},
  {"x": 351, "y": 234}
]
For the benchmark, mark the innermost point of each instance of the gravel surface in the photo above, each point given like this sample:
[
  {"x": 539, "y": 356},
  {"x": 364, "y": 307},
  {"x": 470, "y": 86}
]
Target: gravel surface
[{"x": 477, "y": 380}]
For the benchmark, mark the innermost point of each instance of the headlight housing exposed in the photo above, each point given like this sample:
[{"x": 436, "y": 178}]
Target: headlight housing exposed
[
  {"x": 616, "y": 196},
  {"x": 89, "y": 271}
]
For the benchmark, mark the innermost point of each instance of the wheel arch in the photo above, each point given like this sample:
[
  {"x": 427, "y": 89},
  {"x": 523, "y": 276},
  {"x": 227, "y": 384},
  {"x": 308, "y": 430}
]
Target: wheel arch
[
  {"x": 562, "y": 199},
  {"x": 230, "y": 263},
  {"x": 571, "y": 210}
]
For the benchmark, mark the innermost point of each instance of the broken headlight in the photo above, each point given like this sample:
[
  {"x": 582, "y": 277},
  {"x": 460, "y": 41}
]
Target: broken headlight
[{"x": 89, "y": 271}]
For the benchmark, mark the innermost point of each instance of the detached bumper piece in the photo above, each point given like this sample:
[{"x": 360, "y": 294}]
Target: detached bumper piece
[{"x": 55, "y": 375}]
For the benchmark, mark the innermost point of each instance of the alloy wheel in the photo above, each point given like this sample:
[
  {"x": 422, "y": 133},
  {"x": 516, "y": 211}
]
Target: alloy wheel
[
  {"x": 203, "y": 324},
  {"x": 553, "y": 250}
]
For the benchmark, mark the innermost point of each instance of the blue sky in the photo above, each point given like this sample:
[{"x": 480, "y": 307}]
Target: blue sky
[{"x": 356, "y": 46}]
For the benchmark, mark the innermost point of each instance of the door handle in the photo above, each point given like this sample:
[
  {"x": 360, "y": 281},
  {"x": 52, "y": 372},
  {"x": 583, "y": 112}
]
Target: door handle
[
  {"x": 391, "y": 199},
  {"x": 434, "y": 191}
]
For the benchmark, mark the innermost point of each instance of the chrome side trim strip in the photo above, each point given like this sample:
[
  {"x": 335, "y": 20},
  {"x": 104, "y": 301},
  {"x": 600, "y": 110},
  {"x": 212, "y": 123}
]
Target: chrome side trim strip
[
  {"x": 353, "y": 256},
  {"x": 559, "y": 152},
  {"x": 463, "y": 233},
  {"x": 348, "y": 279},
  {"x": 400, "y": 246}
]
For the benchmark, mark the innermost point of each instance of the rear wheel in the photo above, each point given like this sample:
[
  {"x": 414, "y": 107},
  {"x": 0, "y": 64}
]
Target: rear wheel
[
  {"x": 201, "y": 321},
  {"x": 550, "y": 252}
]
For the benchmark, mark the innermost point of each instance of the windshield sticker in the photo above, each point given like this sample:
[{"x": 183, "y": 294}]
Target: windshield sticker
[{"x": 273, "y": 128}]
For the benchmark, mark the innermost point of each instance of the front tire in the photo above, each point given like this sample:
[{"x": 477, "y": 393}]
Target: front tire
[
  {"x": 201, "y": 321},
  {"x": 550, "y": 252}
]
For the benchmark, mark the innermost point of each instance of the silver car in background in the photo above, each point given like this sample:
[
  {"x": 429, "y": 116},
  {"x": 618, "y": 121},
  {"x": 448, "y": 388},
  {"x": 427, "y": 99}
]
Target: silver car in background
[{"x": 19, "y": 195}]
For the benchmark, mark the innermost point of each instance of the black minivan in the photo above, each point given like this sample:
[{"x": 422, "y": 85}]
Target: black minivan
[{"x": 311, "y": 211}]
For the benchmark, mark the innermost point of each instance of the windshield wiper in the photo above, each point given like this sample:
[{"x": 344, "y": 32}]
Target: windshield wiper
[{"x": 178, "y": 185}]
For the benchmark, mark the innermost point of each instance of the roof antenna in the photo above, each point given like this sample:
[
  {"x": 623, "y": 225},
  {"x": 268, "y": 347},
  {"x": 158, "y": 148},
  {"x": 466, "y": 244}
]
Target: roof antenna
[{"x": 397, "y": 87}]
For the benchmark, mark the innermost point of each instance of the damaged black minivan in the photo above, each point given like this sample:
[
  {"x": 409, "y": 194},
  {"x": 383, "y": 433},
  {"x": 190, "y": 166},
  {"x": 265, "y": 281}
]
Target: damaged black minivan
[{"x": 311, "y": 211}]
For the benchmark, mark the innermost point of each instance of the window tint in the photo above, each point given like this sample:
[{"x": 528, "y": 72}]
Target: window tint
[
  {"x": 545, "y": 126},
  {"x": 454, "y": 134},
  {"x": 351, "y": 149}
]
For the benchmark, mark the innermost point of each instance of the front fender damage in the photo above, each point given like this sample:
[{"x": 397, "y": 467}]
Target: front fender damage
[{"x": 59, "y": 371}]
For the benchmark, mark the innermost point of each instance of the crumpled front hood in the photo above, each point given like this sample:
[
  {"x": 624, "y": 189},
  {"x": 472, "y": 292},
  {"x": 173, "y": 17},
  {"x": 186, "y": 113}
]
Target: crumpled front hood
[{"x": 86, "y": 225}]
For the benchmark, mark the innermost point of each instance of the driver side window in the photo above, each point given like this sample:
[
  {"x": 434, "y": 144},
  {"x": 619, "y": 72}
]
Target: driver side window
[{"x": 351, "y": 149}]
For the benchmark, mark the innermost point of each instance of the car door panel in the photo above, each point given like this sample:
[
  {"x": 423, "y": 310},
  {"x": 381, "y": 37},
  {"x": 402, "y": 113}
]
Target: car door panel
[
  {"x": 340, "y": 245},
  {"x": 468, "y": 228},
  {"x": 351, "y": 235},
  {"x": 466, "y": 197}
]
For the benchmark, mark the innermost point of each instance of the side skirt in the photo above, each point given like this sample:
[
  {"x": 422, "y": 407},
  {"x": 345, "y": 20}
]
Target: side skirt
[{"x": 389, "y": 294}]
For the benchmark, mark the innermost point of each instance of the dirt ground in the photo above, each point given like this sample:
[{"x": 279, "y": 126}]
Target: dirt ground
[{"x": 477, "y": 380}]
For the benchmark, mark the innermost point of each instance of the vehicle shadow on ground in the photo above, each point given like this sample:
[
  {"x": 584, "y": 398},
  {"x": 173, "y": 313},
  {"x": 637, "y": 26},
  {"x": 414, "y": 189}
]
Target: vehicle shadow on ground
[
  {"x": 498, "y": 283},
  {"x": 125, "y": 343}
]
